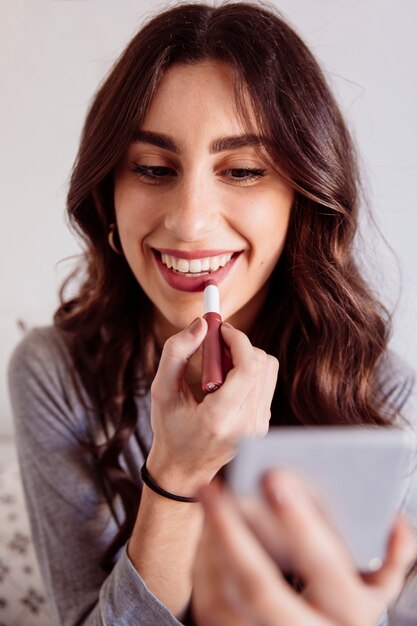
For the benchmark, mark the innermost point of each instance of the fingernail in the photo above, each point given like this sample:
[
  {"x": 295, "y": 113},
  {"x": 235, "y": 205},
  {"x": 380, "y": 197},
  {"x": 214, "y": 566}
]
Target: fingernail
[
  {"x": 227, "y": 325},
  {"x": 195, "y": 327}
]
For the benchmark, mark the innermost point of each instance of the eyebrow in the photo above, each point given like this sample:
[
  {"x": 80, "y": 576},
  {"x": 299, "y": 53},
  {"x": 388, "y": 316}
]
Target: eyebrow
[
  {"x": 218, "y": 145},
  {"x": 234, "y": 143}
]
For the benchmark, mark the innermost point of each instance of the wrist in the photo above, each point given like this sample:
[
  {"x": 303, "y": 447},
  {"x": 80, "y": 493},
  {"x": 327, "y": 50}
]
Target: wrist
[
  {"x": 150, "y": 482},
  {"x": 176, "y": 477}
]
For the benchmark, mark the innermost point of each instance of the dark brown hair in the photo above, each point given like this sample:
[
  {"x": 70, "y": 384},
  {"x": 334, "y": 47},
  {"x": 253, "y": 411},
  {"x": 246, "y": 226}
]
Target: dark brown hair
[{"x": 320, "y": 318}]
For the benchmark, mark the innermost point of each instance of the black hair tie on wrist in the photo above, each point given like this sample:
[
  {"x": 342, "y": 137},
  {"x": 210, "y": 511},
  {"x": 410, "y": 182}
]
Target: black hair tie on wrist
[{"x": 149, "y": 482}]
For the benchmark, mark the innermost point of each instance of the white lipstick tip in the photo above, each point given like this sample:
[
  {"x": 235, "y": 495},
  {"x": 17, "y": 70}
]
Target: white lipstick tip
[{"x": 211, "y": 297}]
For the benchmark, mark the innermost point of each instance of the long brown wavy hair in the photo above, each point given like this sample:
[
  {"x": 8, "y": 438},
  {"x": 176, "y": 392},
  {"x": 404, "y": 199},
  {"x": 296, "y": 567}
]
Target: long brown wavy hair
[{"x": 320, "y": 318}]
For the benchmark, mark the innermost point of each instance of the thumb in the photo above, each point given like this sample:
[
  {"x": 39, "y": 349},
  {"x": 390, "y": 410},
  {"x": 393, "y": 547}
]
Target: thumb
[{"x": 177, "y": 351}]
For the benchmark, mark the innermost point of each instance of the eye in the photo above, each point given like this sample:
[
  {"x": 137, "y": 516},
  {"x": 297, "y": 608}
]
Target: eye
[
  {"x": 243, "y": 175},
  {"x": 153, "y": 174}
]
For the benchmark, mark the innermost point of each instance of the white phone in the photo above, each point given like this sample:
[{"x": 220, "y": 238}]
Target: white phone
[{"x": 360, "y": 472}]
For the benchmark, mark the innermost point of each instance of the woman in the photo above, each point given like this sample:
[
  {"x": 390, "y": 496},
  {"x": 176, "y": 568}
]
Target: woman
[{"x": 213, "y": 143}]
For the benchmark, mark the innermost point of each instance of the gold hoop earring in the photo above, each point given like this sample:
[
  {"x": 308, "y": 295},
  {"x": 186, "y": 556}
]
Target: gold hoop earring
[{"x": 110, "y": 239}]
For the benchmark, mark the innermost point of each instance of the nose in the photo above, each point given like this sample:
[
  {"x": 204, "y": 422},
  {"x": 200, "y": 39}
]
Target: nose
[{"x": 193, "y": 211}]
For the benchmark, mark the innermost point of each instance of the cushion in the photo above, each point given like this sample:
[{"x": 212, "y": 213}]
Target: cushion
[{"x": 22, "y": 600}]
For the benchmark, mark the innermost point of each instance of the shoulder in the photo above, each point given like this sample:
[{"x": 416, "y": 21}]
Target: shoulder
[
  {"x": 38, "y": 348},
  {"x": 398, "y": 382},
  {"x": 42, "y": 358},
  {"x": 43, "y": 385}
]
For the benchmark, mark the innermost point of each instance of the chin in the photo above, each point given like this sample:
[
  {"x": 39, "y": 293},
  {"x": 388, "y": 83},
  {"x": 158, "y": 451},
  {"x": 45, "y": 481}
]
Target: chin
[{"x": 170, "y": 324}]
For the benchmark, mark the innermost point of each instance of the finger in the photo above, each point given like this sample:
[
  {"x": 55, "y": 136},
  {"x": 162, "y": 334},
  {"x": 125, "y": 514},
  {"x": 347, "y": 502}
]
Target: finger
[
  {"x": 267, "y": 384},
  {"x": 260, "y": 589},
  {"x": 237, "y": 344},
  {"x": 258, "y": 405},
  {"x": 401, "y": 554},
  {"x": 211, "y": 603},
  {"x": 254, "y": 403},
  {"x": 318, "y": 554},
  {"x": 241, "y": 377},
  {"x": 178, "y": 349}
]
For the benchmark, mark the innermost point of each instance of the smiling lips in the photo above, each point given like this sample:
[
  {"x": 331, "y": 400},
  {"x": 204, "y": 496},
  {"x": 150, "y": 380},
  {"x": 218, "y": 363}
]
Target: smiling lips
[{"x": 189, "y": 271}]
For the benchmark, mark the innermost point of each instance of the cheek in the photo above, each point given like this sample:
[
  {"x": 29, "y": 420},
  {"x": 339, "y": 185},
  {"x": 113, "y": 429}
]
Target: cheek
[
  {"x": 268, "y": 233},
  {"x": 266, "y": 215},
  {"x": 279, "y": 219},
  {"x": 133, "y": 210}
]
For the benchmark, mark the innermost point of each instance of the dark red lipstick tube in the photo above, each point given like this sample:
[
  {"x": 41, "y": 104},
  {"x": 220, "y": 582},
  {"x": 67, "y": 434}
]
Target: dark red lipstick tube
[{"x": 212, "y": 374}]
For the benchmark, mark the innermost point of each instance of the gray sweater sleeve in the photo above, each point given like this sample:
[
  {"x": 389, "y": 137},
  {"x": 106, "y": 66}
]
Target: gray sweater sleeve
[{"x": 71, "y": 522}]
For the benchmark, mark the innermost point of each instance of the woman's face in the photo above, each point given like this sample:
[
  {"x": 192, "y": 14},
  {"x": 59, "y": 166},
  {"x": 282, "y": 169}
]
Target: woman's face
[{"x": 195, "y": 199}]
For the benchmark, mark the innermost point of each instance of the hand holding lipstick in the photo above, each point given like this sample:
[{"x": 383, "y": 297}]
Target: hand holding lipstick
[{"x": 192, "y": 440}]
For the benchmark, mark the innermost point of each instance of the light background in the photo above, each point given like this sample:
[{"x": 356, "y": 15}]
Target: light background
[{"x": 53, "y": 53}]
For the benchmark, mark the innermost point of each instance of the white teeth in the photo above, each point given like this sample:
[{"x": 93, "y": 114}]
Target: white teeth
[
  {"x": 214, "y": 263},
  {"x": 196, "y": 266},
  {"x": 182, "y": 265}
]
